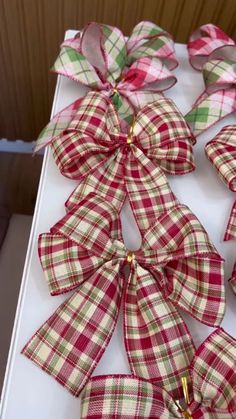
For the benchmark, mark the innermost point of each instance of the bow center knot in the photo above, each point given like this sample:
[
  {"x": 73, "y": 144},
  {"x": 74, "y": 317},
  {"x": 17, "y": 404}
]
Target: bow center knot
[{"x": 130, "y": 256}]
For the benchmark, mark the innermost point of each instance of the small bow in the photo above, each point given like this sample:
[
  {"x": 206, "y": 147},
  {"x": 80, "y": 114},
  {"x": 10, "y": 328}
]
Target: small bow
[
  {"x": 113, "y": 164},
  {"x": 176, "y": 266},
  {"x": 219, "y": 73},
  {"x": 213, "y": 395},
  {"x": 130, "y": 73}
]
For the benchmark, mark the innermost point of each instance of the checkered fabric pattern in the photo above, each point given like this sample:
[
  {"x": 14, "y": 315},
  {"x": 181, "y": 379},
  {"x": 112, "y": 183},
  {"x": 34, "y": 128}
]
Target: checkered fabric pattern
[
  {"x": 221, "y": 152},
  {"x": 130, "y": 73},
  {"x": 219, "y": 98},
  {"x": 232, "y": 280},
  {"x": 177, "y": 264},
  {"x": 208, "y": 42},
  {"x": 212, "y": 378},
  {"x": 95, "y": 150}
]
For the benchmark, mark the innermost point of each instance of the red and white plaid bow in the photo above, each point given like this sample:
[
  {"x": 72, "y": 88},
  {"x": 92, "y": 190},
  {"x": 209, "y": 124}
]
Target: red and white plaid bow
[
  {"x": 212, "y": 394},
  {"x": 212, "y": 51},
  {"x": 131, "y": 73},
  {"x": 176, "y": 266},
  {"x": 113, "y": 164}
]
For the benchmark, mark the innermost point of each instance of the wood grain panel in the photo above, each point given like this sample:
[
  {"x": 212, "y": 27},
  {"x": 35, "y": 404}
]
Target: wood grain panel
[{"x": 32, "y": 30}]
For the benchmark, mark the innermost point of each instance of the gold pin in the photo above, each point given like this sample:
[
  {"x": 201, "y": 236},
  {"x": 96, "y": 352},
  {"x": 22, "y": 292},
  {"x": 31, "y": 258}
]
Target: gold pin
[{"x": 130, "y": 256}]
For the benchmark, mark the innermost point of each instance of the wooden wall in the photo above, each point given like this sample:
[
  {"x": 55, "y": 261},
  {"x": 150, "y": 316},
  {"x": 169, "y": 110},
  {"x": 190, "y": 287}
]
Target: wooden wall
[{"x": 31, "y": 32}]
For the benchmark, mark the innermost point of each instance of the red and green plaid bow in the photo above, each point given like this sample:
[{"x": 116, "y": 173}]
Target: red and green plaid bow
[
  {"x": 113, "y": 164},
  {"x": 221, "y": 152},
  {"x": 212, "y": 394},
  {"x": 130, "y": 72},
  {"x": 177, "y": 266},
  {"x": 215, "y": 53}
]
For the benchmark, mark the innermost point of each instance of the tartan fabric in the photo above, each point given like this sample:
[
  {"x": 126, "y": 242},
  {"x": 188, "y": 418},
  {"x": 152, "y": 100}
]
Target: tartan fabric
[
  {"x": 230, "y": 232},
  {"x": 130, "y": 73},
  {"x": 208, "y": 42},
  {"x": 95, "y": 150},
  {"x": 212, "y": 372},
  {"x": 212, "y": 51},
  {"x": 177, "y": 266},
  {"x": 221, "y": 152},
  {"x": 232, "y": 280},
  {"x": 219, "y": 98}
]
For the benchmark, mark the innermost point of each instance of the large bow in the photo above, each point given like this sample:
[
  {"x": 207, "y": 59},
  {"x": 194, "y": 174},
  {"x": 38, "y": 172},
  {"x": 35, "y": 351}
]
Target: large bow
[
  {"x": 217, "y": 57},
  {"x": 212, "y": 395},
  {"x": 177, "y": 266},
  {"x": 131, "y": 73},
  {"x": 114, "y": 164}
]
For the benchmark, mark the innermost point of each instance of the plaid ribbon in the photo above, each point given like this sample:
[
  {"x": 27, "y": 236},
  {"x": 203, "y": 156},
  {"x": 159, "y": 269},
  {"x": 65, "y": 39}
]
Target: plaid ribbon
[
  {"x": 177, "y": 266},
  {"x": 221, "y": 152},
  {"x": 215, "y": 53},
  {"x": 94, "y": 150},
  {"x": 232, "y": 280},
  {"x": 131, "y": 73},
  {"x": 212, "y": 372}
]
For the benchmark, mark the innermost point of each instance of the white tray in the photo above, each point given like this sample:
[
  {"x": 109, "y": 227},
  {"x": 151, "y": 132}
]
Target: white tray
[{"x": 28, "y": 392}]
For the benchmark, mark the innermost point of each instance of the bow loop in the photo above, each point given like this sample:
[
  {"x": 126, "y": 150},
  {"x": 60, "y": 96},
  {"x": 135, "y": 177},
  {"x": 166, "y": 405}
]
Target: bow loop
[
  {"x": 209, "y": 42},
  {"x": 221, "y": 152},
  {"x": 219, "y": 74},
  {"x": 216, "y": 55},
  {"x": 165, "y": 136},
  {"x": 149, "y": 40}
]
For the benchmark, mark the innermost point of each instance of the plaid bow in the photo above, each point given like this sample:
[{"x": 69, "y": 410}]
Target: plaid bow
[
  {"x": 221, "y": 152},
  {"x": 131, "y": 73},
  {"x": 213, "y": 386},
  {"x": 113, "y": 164},
  {"x": 232, "y": 280},
  {"x": 176, "y": 266},
  {"x": 217, "y": 57}
]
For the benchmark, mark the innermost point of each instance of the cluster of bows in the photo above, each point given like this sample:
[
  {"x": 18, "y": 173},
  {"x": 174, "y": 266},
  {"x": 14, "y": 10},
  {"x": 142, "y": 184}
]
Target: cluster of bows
[
  {"x": 94, "y": 150},
  {"x": 130, "y": 72},
  {"x": 213, "y": 52},
  {"x": 221, "y": 152},
  {"x": 212, "y": 394},
  {"x": 177, "y": 266}
]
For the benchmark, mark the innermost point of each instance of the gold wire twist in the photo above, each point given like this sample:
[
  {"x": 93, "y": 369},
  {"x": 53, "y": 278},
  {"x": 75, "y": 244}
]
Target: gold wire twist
[
  {"x": 184, "y": 382},
  {"x": 130, "y": 256}
]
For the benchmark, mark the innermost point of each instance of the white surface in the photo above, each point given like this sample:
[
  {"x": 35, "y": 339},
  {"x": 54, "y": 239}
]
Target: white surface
[{"x": 30, "y": 393}]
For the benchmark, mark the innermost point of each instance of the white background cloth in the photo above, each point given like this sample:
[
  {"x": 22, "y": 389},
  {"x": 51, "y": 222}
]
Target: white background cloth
[{"x": 30, "y": 393}]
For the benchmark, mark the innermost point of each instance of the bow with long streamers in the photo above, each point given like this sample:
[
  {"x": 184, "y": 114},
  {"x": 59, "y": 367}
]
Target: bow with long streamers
[
  {"x": 177, "y": 266},
  {"x": 131, "y": 73},
  {"x": 209, "y": 394},
  {"x": 212, "y": 51},
  {"x": 114, "y": 165}
]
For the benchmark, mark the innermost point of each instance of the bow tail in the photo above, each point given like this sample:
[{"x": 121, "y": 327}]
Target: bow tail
[
  {"x": 158, "y": 343},
  {"x": 230, "y": 233},
  {"x": 211, "y": 109},
  {"x": 70, "y": 343},
  {"x": 107, "y": 182},
  {"x": 57, "y": 125},
  {"x": 150, "y": 194},
  {"x": 125, "y": 396}
]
